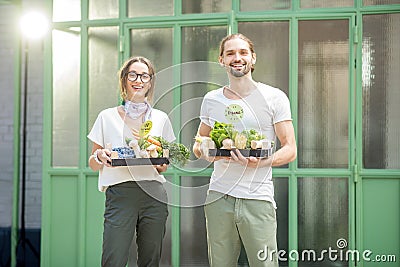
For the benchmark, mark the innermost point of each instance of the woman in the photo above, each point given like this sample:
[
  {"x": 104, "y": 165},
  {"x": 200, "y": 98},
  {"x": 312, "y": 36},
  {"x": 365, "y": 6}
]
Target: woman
[{"x": 135, "y": 197}]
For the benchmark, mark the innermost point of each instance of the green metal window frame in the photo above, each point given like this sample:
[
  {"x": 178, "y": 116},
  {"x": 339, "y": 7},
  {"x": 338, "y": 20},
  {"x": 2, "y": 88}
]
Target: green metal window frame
[{"x": 355, "y": 173}]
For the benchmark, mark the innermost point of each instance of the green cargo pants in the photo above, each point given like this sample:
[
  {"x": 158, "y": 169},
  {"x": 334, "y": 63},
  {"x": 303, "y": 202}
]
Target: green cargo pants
[{"x": 230, "y": 221}]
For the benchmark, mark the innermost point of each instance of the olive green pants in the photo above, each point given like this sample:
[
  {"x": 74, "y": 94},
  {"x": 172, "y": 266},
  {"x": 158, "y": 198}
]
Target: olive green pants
[
  {"x": 230, "y": 221},
  {"x": 134, "y": 207}
]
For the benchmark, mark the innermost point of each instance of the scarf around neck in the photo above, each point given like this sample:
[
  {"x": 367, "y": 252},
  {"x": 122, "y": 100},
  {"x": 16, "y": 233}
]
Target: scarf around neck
[{"x": 135, "y": 110}]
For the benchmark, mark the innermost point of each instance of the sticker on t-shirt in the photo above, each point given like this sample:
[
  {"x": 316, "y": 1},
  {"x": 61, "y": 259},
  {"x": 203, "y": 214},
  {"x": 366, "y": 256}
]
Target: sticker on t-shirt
[
  {"x": 145, "y": 128},
  {"x": 234, "y": 113}
]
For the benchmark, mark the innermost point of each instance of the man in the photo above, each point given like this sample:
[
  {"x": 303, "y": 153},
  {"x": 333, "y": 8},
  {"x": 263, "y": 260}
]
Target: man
[{"x": 240, "y": 204}]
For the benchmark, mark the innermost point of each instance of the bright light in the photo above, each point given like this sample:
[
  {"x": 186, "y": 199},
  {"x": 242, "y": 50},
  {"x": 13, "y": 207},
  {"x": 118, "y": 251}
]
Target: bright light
[{"x": 34, "y": 25}]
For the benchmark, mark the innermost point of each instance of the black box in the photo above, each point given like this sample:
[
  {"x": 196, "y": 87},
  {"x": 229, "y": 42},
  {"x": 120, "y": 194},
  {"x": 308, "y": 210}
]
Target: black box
[
  {"x": 258, "y": 153},
  {"x": 139, "y": 161}
]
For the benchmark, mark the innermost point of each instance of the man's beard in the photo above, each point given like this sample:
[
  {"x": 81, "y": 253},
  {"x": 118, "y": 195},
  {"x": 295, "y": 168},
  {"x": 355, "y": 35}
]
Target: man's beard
[{"x": 240, "y": 73}]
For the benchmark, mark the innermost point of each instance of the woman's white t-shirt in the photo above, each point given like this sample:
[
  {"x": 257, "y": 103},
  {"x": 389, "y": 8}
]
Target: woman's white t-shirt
[{"x": 110, "y": 128}]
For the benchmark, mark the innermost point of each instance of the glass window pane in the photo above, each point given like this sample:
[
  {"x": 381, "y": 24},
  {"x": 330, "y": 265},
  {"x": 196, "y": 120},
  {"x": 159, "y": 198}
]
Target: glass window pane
[
  {"x": 200, "y": 73},
  {"x": 380, "y": 2},
  {"x": 381, "y": 94},
  {"x": 325, "y": 3},
  {"x": 103, "y": 9},
  {"x": 66, "y": 10},
  {"x": 206, "y": 6},
  {"x": 202, "y": 43},
  {"x": 257, "y": 5},
  {"x": 156, "y": 45},
  {"x": 193, "y": 250},
  {"x": 153, "y": 43},
  {"x": 103, "y": 68},
  {"x": 272, "y": 66},
  {"x": 323, "y": 84},
  {"x": 66, "y": 73},
  {"x": 323, "y": 217},
  {"x": 141, "y": 8}
]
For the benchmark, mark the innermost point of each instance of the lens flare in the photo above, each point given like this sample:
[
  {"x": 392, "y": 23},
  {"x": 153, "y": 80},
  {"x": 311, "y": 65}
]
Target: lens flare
[{"x": 34, "y": 25}]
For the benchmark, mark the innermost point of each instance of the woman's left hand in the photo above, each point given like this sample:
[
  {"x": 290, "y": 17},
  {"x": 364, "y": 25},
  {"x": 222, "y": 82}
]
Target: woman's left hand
[
  {"x": 135, "y": 133},
  {"x": 161, "y": 168}
]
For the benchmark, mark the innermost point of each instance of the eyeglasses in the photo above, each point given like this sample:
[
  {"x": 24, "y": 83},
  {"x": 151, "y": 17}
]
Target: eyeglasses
[{"x": 144, "y": 77}]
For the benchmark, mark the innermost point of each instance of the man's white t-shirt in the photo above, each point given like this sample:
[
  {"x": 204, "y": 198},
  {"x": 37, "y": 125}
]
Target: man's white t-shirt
[
  {"x": 260, "y": 110},
  {"x": 110, "y": 128}
]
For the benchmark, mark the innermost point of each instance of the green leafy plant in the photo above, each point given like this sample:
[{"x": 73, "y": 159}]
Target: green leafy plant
[
  {"x": 222, "y": 131},
  {"x": 178, "y": 153},
  {"x": 252, "y": 135}
]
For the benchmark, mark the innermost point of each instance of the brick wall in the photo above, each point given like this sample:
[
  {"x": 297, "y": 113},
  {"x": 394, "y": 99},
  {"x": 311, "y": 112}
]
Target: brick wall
[
  {"x": 34, "y": 136},
  {"x": 6, "y": 113},
  {"x": 8, "y": 18}
]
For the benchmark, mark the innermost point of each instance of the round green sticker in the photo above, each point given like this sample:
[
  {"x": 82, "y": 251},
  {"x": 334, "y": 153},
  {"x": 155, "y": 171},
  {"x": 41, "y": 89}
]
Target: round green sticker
[
  {"x": 233, "y": 113},
  {"x": 145, "y": 128}
]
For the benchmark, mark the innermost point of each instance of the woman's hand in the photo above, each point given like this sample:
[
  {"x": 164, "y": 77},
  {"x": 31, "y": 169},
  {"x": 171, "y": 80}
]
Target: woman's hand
[
  {"x": 135, "y": 133},
  {"x": 100, "y": 156},
  {"x": 104, "y": 156}
]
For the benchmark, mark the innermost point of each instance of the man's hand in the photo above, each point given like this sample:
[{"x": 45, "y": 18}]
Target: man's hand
[
  {"x": 251, "y": 162},
  {"x": 161, "y": 168}
]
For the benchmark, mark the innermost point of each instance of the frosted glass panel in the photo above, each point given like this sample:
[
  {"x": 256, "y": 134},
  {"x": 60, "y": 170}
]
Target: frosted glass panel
[
  {"x": 141, "y": 8},
  {"x": 381, "y": 94},
  {"x": 206, "y": 6},
  {"x": 103, "y": 9},
  {"x": 323, "y": 217},
  {"x": 380, "y": 2},
  {"x": 197, "y": 78},
  {"x": 66, "y": 10},
  {"x": 272, "y": 66},
  {"x": 103, "y": 71},
  {"x": 66, "y": 76},
  {"x": 257, "y": 5},
  {"x": 202, "y": 43},
  {"x": 323, "y": 81},
  {"x": 156, "y": 45},
  {"x": 326, "y": 3}
]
